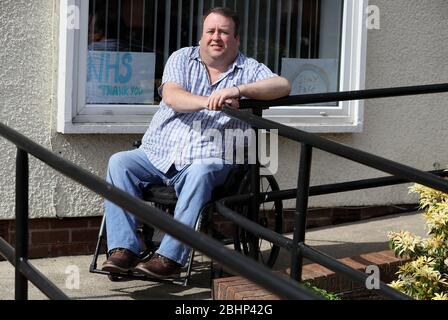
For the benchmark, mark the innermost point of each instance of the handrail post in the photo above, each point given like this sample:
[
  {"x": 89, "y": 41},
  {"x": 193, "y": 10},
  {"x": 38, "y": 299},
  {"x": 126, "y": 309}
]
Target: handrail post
[
  {"x": 21, "y": 282},
  {"x": 303, "y": 186},
  {"x": 255, "y": 190}
]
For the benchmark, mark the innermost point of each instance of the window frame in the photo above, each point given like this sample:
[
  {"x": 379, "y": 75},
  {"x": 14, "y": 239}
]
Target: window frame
[{"x": 75, "y": 117}]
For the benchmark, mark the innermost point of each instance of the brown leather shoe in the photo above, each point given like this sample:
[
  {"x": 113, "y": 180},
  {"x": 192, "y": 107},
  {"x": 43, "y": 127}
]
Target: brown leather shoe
[
  {"x": 159, "y": 267},
  {"x": 120, "y": 260}
]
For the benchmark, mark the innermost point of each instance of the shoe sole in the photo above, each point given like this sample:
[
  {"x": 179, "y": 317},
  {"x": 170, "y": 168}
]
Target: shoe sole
[
  {"x": 115, "y": 269},
  {"x": 155, "y": 275}
]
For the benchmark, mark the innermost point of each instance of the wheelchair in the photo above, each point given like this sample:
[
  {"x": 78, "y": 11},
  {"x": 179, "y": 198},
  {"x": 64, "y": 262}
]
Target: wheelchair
[{"x": 164, "y": 198}]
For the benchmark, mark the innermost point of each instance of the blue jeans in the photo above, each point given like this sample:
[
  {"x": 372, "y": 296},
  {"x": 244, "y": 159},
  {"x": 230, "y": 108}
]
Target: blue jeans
[{"x": 131, "y": 171}]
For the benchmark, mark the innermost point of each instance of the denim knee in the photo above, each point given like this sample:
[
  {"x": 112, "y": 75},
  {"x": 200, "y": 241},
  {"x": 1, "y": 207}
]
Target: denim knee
[{"x": 116, "y": 161}]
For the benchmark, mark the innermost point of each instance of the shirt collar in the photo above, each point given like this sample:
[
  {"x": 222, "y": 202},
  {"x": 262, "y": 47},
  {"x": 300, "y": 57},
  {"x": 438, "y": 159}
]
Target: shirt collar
[{"x": 238, "y": 63}]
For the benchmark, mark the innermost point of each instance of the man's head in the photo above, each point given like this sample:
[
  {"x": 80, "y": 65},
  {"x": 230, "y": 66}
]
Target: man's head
[
  {"x": 225, "y": 12},
  {"x": 220, "y": 40}
]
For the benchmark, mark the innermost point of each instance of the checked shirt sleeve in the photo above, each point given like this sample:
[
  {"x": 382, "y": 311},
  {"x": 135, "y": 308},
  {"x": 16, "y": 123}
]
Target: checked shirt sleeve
[
  {"x": 175, "y": 70},
  {"x": 260, "y": 71}
]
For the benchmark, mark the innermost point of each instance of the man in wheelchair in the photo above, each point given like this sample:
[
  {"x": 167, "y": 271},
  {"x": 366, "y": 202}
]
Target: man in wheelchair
[{"x": 197, "y": 82}]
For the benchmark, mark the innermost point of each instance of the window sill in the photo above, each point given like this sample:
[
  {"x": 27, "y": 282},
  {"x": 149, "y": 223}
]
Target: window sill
[
  {"x": 140, "y": 128},
  {"x": 103, "y": 128}
]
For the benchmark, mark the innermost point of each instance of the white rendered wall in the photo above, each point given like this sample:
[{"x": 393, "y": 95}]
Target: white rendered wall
[{"x": 410, "y": 48}]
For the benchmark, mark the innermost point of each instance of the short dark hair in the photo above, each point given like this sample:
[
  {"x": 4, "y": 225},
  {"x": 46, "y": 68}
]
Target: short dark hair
[{"x": 226, "y": 12}]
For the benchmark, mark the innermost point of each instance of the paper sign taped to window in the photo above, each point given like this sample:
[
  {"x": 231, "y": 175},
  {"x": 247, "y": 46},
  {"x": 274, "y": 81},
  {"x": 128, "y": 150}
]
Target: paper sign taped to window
[
  {"x": 308, "y": 76},
  {"x": 115, "y": 77}
]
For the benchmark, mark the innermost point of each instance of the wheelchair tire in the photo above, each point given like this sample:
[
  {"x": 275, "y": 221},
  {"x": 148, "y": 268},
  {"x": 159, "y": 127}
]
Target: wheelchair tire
[
  {"x": 271, "y": 216},
  {"x": 114, "y": 278}
]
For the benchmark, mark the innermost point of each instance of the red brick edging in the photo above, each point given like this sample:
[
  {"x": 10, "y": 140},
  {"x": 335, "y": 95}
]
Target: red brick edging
[{"x": 239, "y": 288}]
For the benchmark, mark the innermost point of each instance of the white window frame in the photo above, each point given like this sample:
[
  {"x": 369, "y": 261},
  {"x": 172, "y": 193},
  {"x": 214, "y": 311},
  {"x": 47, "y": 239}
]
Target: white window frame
[{"x": 74, "y": 117}]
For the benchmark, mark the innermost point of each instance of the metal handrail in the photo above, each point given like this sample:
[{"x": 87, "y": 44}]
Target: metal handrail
[
  {"x": 332, "y": 188},
  {"x": 244, "y": 266},
  {"x": 35, "y": 276},
  {"x": 400, "y": 174},
  {"x": 224, "y": 204},
  {"x": 394, "y": 168},
  {"x": 346, "y": 96}
]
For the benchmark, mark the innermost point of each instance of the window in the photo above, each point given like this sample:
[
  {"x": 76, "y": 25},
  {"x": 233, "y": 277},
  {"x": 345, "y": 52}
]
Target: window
[{"x": 110, "y": 67}]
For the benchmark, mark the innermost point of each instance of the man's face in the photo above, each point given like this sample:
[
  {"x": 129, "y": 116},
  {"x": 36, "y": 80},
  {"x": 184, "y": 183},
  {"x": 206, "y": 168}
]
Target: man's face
[{"x": 218, "y": 40}]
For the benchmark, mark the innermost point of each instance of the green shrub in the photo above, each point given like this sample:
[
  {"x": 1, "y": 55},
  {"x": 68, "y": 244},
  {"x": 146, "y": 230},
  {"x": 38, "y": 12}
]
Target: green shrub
[
  {"x": 324, "y": 293},
  {"x": 425, "y": 277}
]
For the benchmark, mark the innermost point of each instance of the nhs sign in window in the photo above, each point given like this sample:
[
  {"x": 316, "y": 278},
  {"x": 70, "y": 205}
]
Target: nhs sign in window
[{"x": 115, "y": 77}]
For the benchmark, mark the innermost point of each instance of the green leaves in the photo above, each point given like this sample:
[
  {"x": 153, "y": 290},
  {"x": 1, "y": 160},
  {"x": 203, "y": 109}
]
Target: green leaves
[
  {"x": 327, "y": 295},
  {"x": 425, "y": 277}
]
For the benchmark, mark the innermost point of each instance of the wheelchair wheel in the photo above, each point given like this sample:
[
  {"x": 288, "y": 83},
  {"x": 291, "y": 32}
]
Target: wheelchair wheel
[
  {"x": 114, "y": 278},
  {"x": 271, "y": 216}
]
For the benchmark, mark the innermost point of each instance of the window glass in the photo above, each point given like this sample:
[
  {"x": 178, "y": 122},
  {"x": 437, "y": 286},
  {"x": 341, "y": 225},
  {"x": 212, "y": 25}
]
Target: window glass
[{"x": 129, "y": 42}]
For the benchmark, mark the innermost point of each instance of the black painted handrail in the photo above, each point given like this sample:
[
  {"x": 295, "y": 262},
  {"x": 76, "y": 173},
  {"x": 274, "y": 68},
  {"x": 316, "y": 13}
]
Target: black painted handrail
[
  {"x": 396, "y": 169},
  {"x": 147, "y": 214},
  {"x": 400, "y": 174},
  {"x": 346, "y": 96},
  {"x": 242, "y": 265}
]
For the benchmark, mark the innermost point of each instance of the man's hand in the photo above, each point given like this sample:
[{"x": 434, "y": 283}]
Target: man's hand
[
  {"x": 232, "y": 103},
  {"x": 228, "y": 96}
]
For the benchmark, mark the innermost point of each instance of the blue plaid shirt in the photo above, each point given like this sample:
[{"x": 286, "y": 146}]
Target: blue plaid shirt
[{"x": 180, "y": 138}]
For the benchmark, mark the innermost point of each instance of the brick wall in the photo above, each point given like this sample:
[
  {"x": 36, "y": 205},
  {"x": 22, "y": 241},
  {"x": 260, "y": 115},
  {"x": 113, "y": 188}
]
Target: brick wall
[
  {"x": 78, "y": 236},
  {"x": 321, "y": 217},
  {"x": 56, "y": 237}
]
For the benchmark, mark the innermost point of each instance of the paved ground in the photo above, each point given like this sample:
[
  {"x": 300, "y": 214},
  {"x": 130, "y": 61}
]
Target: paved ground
[{"x": 338, "y": 241}]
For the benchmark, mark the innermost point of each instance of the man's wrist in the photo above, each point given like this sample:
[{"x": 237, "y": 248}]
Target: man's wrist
[{"x": 239, "y": 91}]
